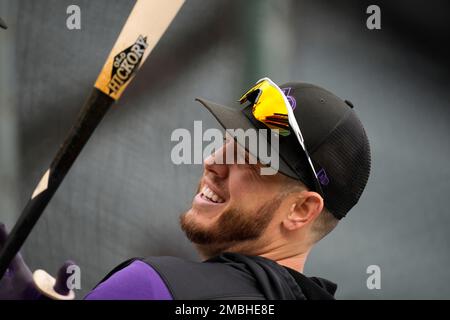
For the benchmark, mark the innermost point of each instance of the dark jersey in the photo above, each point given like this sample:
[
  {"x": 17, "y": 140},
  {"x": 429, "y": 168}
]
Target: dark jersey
[{"x": 227, "y": 276}]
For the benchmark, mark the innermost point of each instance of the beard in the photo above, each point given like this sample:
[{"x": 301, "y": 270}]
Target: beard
[{"x": 233, "y": 227}]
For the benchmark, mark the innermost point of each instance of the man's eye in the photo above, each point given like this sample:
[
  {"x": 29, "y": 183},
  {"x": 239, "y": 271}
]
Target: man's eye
[{"x": 244, "y": 154}]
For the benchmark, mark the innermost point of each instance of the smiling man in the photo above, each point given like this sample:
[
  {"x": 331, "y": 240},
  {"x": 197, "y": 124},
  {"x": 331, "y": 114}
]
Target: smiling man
[{"x": 254, "y": 231}]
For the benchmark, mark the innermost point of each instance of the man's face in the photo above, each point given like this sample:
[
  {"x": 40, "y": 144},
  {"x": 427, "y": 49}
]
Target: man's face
[{"x": 233, "y": 207}]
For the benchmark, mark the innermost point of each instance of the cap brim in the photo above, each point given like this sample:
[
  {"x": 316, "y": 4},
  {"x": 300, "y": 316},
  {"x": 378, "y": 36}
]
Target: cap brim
[{"x": 233, "y": 118}]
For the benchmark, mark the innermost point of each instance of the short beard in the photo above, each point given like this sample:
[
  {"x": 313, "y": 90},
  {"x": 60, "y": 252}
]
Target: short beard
[{"x": 234, "y": 226}]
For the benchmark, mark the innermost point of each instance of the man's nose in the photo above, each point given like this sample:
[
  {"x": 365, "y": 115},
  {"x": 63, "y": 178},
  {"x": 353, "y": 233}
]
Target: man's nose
[{"x": 216, "y": 163}]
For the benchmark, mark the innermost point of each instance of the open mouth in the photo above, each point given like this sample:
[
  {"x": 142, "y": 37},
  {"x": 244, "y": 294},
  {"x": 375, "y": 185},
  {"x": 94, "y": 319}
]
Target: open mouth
[{"x": 209, "y": 195}]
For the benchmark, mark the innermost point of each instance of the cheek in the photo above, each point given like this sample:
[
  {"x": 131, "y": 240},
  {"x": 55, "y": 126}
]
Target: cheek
[{"x": 246, "y": 192}]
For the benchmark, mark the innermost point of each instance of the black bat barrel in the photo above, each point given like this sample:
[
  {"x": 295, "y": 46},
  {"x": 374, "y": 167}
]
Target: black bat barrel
[{"x": 90, "y": 116}]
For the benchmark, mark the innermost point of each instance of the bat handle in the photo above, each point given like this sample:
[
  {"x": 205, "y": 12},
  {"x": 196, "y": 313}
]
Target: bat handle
[{"x": 91, "y": 114}]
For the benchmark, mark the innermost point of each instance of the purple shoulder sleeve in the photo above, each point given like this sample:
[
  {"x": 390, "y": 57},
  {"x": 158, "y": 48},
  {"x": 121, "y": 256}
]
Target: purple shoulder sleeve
[{"x": 138, "y": 281}]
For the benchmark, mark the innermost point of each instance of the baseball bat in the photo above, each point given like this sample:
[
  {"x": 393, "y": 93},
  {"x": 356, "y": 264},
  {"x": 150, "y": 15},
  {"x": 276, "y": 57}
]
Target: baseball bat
[{"x": 144, "y": 27}]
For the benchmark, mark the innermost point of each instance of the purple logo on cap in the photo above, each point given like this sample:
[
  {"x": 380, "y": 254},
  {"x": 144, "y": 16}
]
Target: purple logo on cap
[
  {"x": 290, "y": 98},
  {"x": 323, "y": 178}
]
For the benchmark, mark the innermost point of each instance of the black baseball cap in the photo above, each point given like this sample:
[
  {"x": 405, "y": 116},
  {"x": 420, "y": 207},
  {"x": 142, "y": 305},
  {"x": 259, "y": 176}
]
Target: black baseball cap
[{"x": 334, "y": 138}]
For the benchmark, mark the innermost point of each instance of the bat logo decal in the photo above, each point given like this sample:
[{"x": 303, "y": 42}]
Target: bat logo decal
[{"x": 126, "y": 64}]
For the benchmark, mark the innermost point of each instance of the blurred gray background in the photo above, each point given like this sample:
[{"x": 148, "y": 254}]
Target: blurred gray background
[{"x": 123, "y": 196}]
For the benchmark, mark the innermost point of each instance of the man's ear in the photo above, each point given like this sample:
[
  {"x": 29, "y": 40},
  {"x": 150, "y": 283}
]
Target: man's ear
[{"x": 304, "y": 208}]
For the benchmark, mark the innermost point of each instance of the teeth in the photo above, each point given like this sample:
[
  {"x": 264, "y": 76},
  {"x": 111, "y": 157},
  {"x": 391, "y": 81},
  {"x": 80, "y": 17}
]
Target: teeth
[{"x": 208, "y": 193}]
